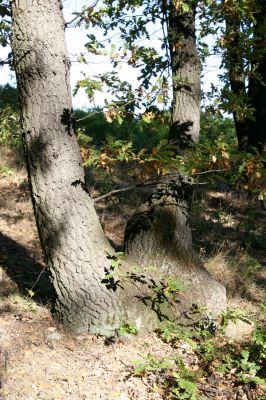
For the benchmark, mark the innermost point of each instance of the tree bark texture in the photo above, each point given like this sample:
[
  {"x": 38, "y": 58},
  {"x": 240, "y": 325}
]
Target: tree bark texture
[
  {"x": 257, "y": 82},
  {"x": 77, "y": 253},
  {"x": 159, "y": 236},
  {"x": 186, "y": 71},
  {"x": 72, "y": 239},
  {"x": 234, "y": 62}
]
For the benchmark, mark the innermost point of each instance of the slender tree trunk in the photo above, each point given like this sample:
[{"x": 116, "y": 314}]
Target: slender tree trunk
[
  {"x": 234, "y": 62},
  {"x": 89, "y": 296},
  {"x": 257, "y": 82},
  {"x": 186, "y": 70}
]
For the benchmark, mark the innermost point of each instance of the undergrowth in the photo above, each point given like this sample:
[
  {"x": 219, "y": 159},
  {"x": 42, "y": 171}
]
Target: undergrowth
[{"x": 243, "y": 365}]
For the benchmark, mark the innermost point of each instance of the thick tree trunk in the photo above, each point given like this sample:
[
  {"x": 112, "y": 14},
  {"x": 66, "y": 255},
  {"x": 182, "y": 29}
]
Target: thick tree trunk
[
  {"x": 186, "y": 70},
  {"x": 159, "y": 237},
  {"x": 91, "y": 295},
  {"x": 257, "y": 82},
  {"x": 71, "y": 236}
]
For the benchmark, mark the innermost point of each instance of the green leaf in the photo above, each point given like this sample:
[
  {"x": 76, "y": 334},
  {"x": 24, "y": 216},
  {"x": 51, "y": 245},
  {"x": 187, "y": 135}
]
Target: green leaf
[{"x": 185, "y": 7}]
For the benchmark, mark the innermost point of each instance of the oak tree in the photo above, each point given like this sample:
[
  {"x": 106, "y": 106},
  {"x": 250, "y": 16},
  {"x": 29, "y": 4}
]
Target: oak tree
[{"x": 91, "y": 294}]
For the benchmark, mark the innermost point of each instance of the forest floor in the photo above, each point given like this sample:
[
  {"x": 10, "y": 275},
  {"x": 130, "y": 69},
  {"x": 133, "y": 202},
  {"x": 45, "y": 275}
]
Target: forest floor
[{"x": 40, "y": 360}]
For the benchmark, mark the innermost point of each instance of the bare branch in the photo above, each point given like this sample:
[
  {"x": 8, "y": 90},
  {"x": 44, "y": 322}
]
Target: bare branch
[
  {"x": 112, "y": 192},
  {"x": 80, "y": 16},
  {"x": 210, "y": 171}
]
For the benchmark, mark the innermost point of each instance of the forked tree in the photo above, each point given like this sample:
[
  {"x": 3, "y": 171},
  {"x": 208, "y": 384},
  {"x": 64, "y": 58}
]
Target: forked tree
[{"x": 90, "y": 297}]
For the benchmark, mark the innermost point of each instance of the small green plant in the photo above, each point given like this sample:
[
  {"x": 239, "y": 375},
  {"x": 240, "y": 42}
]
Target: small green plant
[
  {"x": 263, "y": 307},
  {"x": 184, "y": 385},
  {"x": 233, "y": 315},
  {"x": 207, "y": 350},
  {"x": 259, "y": 341},
  {"x": 176, "y": 381},
  {"x": 5, "y": 171},
  {"x": 24, "y": 303},
  {"x": 10, "y": 131},
  {"x": 171, "y": 332},
  {"x": 151, "y": 364},
  {"x": 127, "y": 328},
  {"x": 250, "y": 268},
  {"x": 184, "y": 389},
  {"x": 248, "y": 369}
]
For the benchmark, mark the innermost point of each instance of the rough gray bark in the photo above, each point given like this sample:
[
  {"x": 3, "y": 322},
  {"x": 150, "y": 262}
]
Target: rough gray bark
[
  {"x": 159, "y": 236},
  {"x": 250, "y": 131},
  {"x": 257, "y": 82},
  {"x": 74, "y": 245},
  {"x": 186, "y": 70},
  {"x": 72, "y": 239},
  {"x": 234, "y": 62}
]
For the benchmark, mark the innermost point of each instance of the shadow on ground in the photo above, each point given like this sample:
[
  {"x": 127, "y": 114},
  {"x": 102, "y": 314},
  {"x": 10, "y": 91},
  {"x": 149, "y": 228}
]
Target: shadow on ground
[{"x": 24, "y": 270}]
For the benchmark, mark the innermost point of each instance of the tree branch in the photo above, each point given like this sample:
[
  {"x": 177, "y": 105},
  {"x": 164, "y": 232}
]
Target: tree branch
[
  {"x": 209, "y": 171},
  {"x": 89, "y": 9},
  {"x": 112, "y": 192}
]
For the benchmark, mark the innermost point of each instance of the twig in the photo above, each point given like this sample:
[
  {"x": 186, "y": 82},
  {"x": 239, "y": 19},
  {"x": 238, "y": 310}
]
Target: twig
[
  {"x": 89, "y": 8},
  {"x": 131, "y": 187},
  {"x": 112, "y": 192},
  {"x": 211, "y": 170},
  {"x": 147, "y": 182},
  {"x": 67, "y": 24},
  {"x": 91, "y": 114},
  {"x": 211, "y": 390},
  {"x": 37, "y": 280}
]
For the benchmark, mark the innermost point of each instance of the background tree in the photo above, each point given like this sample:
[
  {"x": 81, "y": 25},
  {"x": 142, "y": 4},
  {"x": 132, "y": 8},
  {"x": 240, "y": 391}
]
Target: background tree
[
  {"x": 234, "y": 61},
  {"x": 77, "y": 253},
  {"x": 186, "y": 73},
  {"x": 240, "y": 36},
  {"x": 178, "y": 60},
  {"x": 257, "y": 80}
]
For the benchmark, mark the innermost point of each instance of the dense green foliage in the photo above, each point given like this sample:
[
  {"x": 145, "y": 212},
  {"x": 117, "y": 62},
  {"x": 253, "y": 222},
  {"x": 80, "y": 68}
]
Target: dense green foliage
[
  {"x": 10, "y": 132},
  {"x": 143, "y": 142},
  {"x": 5, "y": 14},
  {"x": 132, "y": 129},
  {"x": 144, "y": 146},
  {"x": 9, "y": 97}
]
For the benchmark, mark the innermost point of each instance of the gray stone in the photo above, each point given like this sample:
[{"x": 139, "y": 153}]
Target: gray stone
[
  {"x": 239, "y": 330},
  {"x": 51, "y": 334}
]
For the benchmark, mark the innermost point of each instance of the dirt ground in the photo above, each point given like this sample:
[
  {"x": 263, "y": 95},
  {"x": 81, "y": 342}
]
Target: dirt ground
[{"x": 39, "y": 360}]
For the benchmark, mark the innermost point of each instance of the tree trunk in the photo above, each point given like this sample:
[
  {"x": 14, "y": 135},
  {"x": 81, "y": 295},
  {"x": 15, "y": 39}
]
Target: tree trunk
[
  {"x": 234, "y": 63},
  {"x": 186, "y": 70},
  {"x": 159, "y": 237},
  {"x": 71, "y": 236},
  {"x": 91, "y": 295},
  {"x": 257, "y": 82}
]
